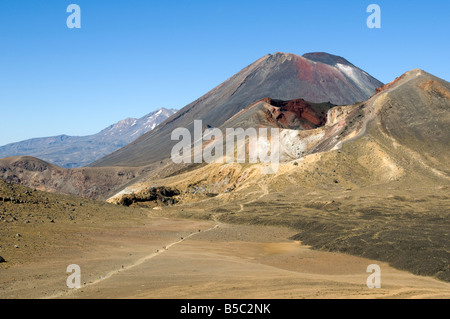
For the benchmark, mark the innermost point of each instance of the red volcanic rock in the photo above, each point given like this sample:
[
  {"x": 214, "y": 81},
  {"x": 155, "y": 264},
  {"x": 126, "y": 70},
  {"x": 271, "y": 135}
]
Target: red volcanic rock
[
  {"x": 388, "y": 85},
  {"x": 297, "y": 113}
]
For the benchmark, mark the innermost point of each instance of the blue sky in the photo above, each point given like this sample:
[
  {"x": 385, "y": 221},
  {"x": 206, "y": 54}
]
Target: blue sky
[{"x": 132, "y": 57}]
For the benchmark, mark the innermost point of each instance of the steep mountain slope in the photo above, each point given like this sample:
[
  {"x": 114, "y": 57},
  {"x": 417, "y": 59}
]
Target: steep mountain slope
[
  {"x": 360, "y": 78},
  {"x": 76, "y": 151},
  {"x": 280, "y": 76}
]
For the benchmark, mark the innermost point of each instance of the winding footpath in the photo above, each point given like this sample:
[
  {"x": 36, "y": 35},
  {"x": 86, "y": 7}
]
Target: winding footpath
[{"x": 133, "y": 265}]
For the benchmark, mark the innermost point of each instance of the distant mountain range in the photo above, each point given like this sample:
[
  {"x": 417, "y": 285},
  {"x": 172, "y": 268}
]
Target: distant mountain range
[{"x": 77, "y": 151}]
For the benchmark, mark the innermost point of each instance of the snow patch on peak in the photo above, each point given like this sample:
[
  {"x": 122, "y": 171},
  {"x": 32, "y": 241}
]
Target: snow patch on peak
[{"x": 352, "y": 73}]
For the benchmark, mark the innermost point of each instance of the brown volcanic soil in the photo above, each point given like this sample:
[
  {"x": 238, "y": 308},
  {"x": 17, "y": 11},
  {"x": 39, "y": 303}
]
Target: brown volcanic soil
[
  {"x": 378, "y": 188},
  {"x": 404, "y": 223},
  {"x": 45, "y": 220},
  {"x": 253, "y": 262},
  {"x": 121, "y": 255}
]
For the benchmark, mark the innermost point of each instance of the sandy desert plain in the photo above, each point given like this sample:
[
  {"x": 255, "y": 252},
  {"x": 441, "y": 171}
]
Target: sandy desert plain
[{"x": 208, "y": 254}]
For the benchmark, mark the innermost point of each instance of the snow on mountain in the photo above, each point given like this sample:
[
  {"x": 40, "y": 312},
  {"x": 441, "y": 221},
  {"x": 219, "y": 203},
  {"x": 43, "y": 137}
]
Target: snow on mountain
[{"x": 76, "y": 151}]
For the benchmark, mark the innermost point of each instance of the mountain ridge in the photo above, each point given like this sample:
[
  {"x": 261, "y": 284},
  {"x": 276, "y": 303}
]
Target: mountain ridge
[{"x": 77, "y": 151}]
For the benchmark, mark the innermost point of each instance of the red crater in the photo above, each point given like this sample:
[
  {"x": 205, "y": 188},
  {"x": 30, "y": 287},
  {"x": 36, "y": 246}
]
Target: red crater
[{"x": 298, "y": 113}]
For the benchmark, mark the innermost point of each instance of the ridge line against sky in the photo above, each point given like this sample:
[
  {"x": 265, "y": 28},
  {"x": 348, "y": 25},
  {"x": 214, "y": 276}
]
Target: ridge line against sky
[{"x": 130, "y": 58}]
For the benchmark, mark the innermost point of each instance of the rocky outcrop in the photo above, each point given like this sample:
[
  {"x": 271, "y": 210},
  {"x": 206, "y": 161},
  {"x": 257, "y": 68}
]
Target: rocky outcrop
[
  {"x": 297, "y": 113},
  {"x": 162, "y": 196}
]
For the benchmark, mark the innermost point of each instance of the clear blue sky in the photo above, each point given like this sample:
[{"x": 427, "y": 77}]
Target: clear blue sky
[{"x": 131, "y": 57}]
